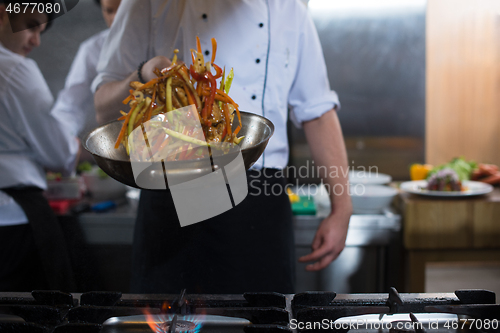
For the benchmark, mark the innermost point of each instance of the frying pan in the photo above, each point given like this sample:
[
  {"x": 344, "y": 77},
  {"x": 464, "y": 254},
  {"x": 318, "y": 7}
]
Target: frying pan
[{"x": 100, "y": 142}]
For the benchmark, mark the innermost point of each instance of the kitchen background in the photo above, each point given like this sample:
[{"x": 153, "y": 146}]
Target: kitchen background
[{"x": 416, "y": 81}]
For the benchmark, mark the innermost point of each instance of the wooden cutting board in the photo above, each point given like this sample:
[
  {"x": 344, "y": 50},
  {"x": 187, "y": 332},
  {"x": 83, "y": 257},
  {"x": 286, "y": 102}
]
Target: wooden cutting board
[{"x": 451, "y": 223}]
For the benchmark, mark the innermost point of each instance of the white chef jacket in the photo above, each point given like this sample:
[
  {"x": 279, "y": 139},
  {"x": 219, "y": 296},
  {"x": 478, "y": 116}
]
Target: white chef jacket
[
  {"x": 272, "y": 45},
  {"x": 75, "y": 103},
  {"x": 31, "y": 137}
]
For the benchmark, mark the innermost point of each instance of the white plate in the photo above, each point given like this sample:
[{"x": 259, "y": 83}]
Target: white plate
[
  {"x": 473, "y": 188},
  {"x": 368, "y": 178}
]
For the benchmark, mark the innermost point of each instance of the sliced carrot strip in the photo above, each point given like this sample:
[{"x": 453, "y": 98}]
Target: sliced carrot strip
[
  {"x": 214, "y": 49},
  {"x": 126, "y": 100},
  {"x": 149, "y": 84},
  {"x": 237, "y": 130},
  {"x": 123, "y": 130},
  {"x": 198, "y": 44},
  {"x": 227, "y": 117}
]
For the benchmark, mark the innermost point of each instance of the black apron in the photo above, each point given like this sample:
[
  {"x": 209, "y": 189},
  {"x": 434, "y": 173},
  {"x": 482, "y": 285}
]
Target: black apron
[
  {"x": 48, "y": 238},
  {"x": 248, "y": 248}
]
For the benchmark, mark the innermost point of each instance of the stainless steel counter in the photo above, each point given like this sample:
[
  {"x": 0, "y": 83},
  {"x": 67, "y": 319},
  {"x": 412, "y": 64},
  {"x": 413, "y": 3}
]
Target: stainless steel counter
[
  {"x": 370, "y": 262},
  {"x": 114, "y": 227}
]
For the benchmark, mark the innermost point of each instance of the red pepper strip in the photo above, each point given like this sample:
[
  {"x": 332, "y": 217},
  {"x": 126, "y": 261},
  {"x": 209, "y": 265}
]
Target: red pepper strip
[
  {"x": 218, "y": 71},
  {"x": 123, "y": 130},
  {"x": 194, "y": 75},
  {"x": 214, "y": 50},
  {"x": 228, "y": 119},
  {"x": 224, "y": 131},
  {"x": 209, "y": 103},
  {"x": 185, "y": 76}
]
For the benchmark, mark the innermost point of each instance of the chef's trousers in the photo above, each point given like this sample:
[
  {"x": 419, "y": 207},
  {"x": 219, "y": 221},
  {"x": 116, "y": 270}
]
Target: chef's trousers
[
  {"x": 248, "y": 248},
  {"x": 34, "y": 255}
]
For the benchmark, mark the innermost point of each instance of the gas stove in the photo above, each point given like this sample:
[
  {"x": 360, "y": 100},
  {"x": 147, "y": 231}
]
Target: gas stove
[{"x": 59, "y": 312}]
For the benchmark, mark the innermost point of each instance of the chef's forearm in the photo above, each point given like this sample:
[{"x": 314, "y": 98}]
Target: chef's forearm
[
  {"x": 109, "y": 96},
  {"x": 326, "y": 142}
]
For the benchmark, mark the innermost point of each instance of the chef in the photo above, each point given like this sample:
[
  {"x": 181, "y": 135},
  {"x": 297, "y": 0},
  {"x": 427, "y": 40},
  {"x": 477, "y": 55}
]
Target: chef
[
  {"x": 278, "y": 64},
  {"x": 33, "y": 253},
  {"x": 75, "y": 103}
]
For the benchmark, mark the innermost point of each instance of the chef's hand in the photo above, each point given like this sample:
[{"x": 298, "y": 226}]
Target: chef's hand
[
  {"x": 109, "y": 96},
  {"x": 159, "y": 62},
  {"x": 329, "y": 240}
]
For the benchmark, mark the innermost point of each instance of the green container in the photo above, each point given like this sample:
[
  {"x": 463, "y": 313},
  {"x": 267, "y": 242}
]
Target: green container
[{"x": 305, "y": 206}]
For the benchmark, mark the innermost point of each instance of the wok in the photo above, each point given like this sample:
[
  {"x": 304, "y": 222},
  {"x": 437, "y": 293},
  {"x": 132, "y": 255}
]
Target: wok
[{"x": 116, "y": 163}]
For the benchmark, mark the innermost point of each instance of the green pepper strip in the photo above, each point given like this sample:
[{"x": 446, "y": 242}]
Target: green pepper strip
[
  {"x": 229, "y": 81},
  {"x": 186, "y": 138},
  {"x": 222, "y": 82},
  {"x": 168, "y": 92},
  {"x": 131, "y": 121}
]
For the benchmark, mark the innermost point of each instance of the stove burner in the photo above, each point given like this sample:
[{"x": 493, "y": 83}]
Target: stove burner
[
  {"x": 106, "y": 312},
  {"x": 183, "y": 326}
]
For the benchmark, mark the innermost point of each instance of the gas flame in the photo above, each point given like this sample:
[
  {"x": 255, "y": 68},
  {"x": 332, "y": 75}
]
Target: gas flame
[
  {"x": 150, "y": 318},
  {"x": 155, "y": 321},
  {"x": 197, "y": 320}
]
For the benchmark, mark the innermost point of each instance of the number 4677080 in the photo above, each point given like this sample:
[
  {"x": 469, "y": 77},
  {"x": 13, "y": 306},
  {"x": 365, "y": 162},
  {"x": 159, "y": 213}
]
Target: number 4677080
[
  {"x": 31, "y": 7},
  {"x": 473, "y": 324}
]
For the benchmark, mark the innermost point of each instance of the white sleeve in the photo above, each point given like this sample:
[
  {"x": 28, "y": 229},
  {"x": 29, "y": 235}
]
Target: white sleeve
[
  {"x": 30, "y": 104},
  {"x": 310, "y": 95},
  {"x": 128, "y": 42},
  {"x": 76, "y": 99}
]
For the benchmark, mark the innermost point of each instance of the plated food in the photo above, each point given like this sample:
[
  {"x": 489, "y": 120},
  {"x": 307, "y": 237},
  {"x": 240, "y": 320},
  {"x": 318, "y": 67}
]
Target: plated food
[
  {"x": 444, "y": 180},
  {"x": 450, "y": 177},
  {"x": 456, "y": 178},
  {"x": 184, "y": 113},
  {"x": 469, "y": 188}
]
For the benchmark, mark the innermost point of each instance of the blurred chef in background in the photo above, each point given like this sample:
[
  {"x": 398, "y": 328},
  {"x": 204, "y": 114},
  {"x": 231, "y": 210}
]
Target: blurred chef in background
[
  {"x": 75, "y": 101},
  {"x": 33, "y": 253}
]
